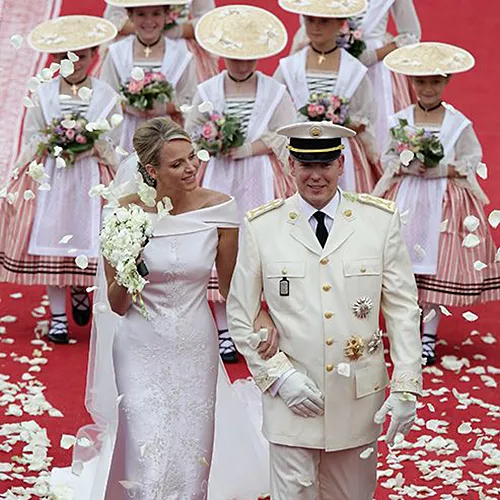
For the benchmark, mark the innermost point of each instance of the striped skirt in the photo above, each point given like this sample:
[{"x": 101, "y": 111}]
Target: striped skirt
[
  {"x": 367, "y": 172},
  {"x": 284, "y": 187},
  {"x": 403, "y": 92},
  {"x": 457, "y": 282},
  {"x": 16, "y": 221}
]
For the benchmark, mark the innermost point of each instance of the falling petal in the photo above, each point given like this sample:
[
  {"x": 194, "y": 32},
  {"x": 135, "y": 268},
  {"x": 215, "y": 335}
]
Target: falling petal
[
  {"x": 16, "y": 41},
  {"x": 46, "y": 74},
  {"x": 186, "y": 108},
  {"x": 116, "y": 120},
  {"x": 66, "y": 239},
  {"x": 471, "y": 241},
  {"x": 482, "y": 171},
  {"x": 479, "y": 266},
  {"x": 17, "y": 295},
  {"x": 137, "y": 74},
  {"x": 406, "y": 157},
  {"x": 206, "y": 107},
  {"x": 67, "y": 68},
  {"x": 91, "y": 289},
  {"x": 57, "y": 150},
  {"x": 128, "y": 485},
  {"x": 344, "y": 369},
  {"x": 444, "y": 311},
  {"x": 420, "y": 252},
  {"x": 121, "y": 151},
  {"x": 54, "y": 67},
  {"x": 494, "y": 219},
  {"x": 73, "y": 57},
  {"x": 429, "y": 316},
  {"x": 443, "y": 226},
  {"x": 471, "y": 223},
  {"x": 470, "y": 316},
  {"x": 366, "y": 453},
  {"x": 44, "y": 187},
  {"x": 60, "y": 162},
  {"x": 33, "y": 84},
  {"x": 28, "y": 103},
  {"x": 28, "y": 195},
  {"x": 82, "y": 261},
  {"x": 203, "y": 155},
  {"x": 85, "y": 94},
  {"x": 404, "y": 217},
  {"x": 77, "y": 468},
  {"x": 67, "y": 441},
  {"x": 465, "y": 428}
]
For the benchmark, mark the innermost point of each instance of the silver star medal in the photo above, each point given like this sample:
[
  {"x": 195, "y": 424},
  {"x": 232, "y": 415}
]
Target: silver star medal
[{"x": 362, "y": 307}]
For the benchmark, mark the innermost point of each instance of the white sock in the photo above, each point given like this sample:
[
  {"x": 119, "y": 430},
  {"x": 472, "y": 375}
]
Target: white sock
[
  {"x": 430, "y": 327},
  {"x": 57, "y": 299}
]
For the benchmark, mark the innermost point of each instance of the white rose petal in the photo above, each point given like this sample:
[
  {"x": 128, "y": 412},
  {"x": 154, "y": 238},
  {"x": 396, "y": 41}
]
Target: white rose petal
[
  {"x": 91, "y": 289},
  {"x": 65, "y": 239},
  {"x": 121, "y": 151},
  {"x": 116, "y": 120},
  {"x": 28, "y": 195},
  {"x": 444, "y": 311},
  {"x": 203, "y": 155},
  {"x": 17, "y": 295},
  {"x": 28, "y": 103},
  {"x": 8, "y": 319},
  {"x": 471, "y": 223},
  {"x": 73, "y": 57},
  {"x": 16, "y": 41},
  {"x": 471, "y": 241},
  {"x": 128, "y": 485},
  {"x": 429, "y": 316},
  {"x": 82, "y": 261},
  {"x": 33, "y": 84},
  {"x": 419, "y": 252},
  {"x": 443, "y": 226},
  {"x": 366, "y": 453},
  {"x": 60, "y": 162},
  {"x": 479, "y": 266},
  {"x": 206, "y": 107},
  {"x": 406, "y": 157},
  {"x": 470, "y": 316},
  {"x": 67, "y": 68},
  {"x": 68, "y": 124},
  {"x": 57, "y": 150},
  {"x": 465, "y": 428},
  {"x": 46, "y": 74},
  {"x": 494, "y": 219},
  {"x": 67, "y": 441},
  {"x": 482, "y": 170},
  {"x": 54, "y": 67},
  {"x": 344, "y": 369},
  {"x": 404, "y": 217},
  {"x": 45, "y": 187},
  {"x": 137, "y": 74},
  {"x": 85, "y": 94},
  {"x": 12, "y": 198},
  {"x": 186, "y": 108},
  {"x": 489, "y": 339}
]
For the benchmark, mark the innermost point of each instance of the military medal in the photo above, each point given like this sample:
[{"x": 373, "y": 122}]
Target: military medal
[
  {"x": 375, "y": 341},
  {"x": 284, "y": 288},
  {"x": 354, "y": 348},
  {"x": 362, "y": 307}
]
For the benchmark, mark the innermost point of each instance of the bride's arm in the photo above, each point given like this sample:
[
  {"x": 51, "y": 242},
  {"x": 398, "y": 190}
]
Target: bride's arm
[
  {"x": 119, "y": 299},
  {"x": 226, "y": 258}
]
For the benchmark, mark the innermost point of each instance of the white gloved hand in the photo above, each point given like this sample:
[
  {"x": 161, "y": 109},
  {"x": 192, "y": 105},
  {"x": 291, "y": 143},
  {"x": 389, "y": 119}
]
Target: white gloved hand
[
  {"x": 404, "y": 39},
  {"x": 403, "y": 408},
  {"x": 302, "y": 396},
  {"x": 415, "y": 167},
  {"x": 242, "y": 152}
]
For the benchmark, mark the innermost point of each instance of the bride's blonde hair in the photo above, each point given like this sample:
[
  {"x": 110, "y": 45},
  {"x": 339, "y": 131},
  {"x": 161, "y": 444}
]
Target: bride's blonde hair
[{"x": 150, "y": 137}]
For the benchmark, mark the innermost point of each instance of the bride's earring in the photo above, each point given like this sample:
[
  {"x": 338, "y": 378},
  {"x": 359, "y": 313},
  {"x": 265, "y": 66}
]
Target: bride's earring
[{"x": 148, "y": 179}]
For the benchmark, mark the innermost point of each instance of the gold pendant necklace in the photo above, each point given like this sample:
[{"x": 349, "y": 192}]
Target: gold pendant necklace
[
  {"x": 322, "y": 55},
  {"x": 147, "y": 47}
]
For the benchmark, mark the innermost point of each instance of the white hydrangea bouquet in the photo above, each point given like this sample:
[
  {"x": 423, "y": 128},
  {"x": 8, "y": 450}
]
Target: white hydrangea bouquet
[{"x": 124, "y": 235}]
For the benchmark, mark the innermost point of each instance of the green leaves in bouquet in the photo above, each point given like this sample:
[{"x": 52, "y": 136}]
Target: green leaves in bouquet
[{"x": 233, "y": 135}]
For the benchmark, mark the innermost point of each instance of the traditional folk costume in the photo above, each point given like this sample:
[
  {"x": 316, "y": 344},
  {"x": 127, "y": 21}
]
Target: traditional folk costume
[
  {"x": 206, "y": 64},
  {"x": 31, "y": 250},
  {"x": 362, "y": 169},
  {"x": 254, "y": 179},
  {"x": 435, "y": 206},
  {"x": 392, "y": 89},
  {"x": 177, "y": 66}
]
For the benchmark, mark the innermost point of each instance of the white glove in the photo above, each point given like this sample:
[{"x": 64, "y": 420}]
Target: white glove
[
  {"x": 403, "y": 408},
  {"x": 415, "y": 167},
  {"x": 302, "y": 396},
  {"x": 242, "y": 152},
  {"x": 404, "y": 39}
]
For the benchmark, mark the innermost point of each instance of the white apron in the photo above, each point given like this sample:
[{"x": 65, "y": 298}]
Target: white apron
[
  {"x": 175, "y": 61},
  {"x": 422, "y": 199},
  {"x": 249, "y": 180},
  {"x": 67, "y": 208},
  {"x": 351, "y": 73}
]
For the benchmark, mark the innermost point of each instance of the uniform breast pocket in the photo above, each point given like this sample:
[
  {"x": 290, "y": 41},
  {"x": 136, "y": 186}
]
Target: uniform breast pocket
[
  {"x": 359, "y": 268},
  {"x": 284, "y": 285}
]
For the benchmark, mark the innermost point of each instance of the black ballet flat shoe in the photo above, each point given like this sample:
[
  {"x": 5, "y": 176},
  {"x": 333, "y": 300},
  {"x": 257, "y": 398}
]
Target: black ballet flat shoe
[
  {"x": 58, "y": 332},
  {"x": 80, "y": 306},
  {"x": 429, "y": 359},
  {"x": 227, "y": 349},
  {"x": 429, "y": 349}
]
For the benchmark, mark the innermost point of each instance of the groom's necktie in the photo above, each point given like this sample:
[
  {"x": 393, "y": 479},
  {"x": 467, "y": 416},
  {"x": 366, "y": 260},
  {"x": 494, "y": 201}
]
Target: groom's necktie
[{"x": 321, "y": 230}]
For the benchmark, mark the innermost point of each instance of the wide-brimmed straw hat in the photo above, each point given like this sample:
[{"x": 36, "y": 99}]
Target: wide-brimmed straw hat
[
  {"x": 71, "y": 33},
  {"x": 241, "y": 32},
  {"x": 325, "y": 8},
  {"x": 429, "y": 58},
  {"x": 130, "y": 4}
]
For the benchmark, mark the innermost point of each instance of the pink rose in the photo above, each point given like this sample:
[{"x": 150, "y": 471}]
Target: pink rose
[
  {"x": 402, "y": 147},
  {"x": 345, "y": 28},
  {"x": 335, "y": 119},
  {"x": 135, "y": 87},
  {"x": 357, "y": 35},
  {"x": 148, "y": 79},
  {"x": 70, "y": 134},
  {"x": 334, "y": 101},
  {"x": 311, "y": 110},
  {"x": 209, "y": 131},
  {"x": 215, "y": 117},
  {"x": 158, "y": 77},
  {"x": 320, "y": 109},
  {"x": 330, "y": 114},
  {"x": 81, "y": 139}
]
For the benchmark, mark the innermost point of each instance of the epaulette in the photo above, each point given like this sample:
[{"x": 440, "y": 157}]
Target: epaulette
[
  {"x": 257, "y": 212},
  {"x": 368, "y": 199}
]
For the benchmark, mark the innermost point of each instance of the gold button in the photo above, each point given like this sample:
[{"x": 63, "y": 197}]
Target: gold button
[
  {"x": 284, "y": 271},
  {"x": 328, "y": 315},
  {"x": 363, "y": 269},
  {"x": 329, "y": 368},
  {"x": 348, "y": 213},
  {"x": 327, "y": 288},
  {"x": 324, "y": 262},
  {"x": 292, "y": 215},
  {"x": 329, "y": 342}
]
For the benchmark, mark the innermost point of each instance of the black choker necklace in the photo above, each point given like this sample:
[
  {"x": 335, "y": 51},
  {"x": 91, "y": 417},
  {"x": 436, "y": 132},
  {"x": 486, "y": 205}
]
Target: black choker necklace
[
  {"x": 322, "y": 58},
  {"x": 428, "y": 110},
  {"x": 242, "y": 80},
  {"x": 147, "y": 47},
  {"x": 75, "y": 85}
]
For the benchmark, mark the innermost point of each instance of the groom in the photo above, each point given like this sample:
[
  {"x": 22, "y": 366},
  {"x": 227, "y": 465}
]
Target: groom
[{"x": 327, "y": 262}]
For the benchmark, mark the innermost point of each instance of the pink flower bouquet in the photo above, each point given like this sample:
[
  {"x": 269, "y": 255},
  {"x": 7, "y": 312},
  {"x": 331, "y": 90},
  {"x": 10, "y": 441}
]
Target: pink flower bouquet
[
  {"x": 350, "y": 37},
  {"x": 326, "y": 107},
  {"x": 142, "y": 94}
]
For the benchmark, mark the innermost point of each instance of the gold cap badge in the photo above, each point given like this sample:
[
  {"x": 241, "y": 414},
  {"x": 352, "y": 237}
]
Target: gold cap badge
[{"x": 315, "y": 131}]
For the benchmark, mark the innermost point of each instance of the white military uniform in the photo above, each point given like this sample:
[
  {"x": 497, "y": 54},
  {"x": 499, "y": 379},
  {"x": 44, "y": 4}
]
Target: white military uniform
[{"x": 328, "y": 326}]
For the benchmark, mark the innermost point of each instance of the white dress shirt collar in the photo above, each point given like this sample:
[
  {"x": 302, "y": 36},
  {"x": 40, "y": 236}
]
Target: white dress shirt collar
[{"x": 329, "y": 210}]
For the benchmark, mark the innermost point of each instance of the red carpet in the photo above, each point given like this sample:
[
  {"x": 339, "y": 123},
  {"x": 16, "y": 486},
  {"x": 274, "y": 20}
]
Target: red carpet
[{"x": 465, "y": 393}]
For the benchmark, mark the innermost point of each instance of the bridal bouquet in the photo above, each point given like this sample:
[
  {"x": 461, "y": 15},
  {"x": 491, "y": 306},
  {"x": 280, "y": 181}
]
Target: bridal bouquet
[
  {"x": 413, "y": 142},
  {"x": 68, "y": 136},
  {"x": 142, "y": 93},
  {"x": 350, "y": 37},
  {"x": 218, "y": 133},
  {"x": 326, "y": 107},
  {"x": 174, "y": 13}
]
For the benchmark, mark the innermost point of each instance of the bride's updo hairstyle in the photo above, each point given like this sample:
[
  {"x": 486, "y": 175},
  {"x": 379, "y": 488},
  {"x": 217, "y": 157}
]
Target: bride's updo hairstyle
[{"x": 149, "y": 139}]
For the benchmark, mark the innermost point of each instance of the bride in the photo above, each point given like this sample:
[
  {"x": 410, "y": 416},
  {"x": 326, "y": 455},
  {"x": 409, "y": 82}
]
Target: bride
[{"x": 152, "y": 385}]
